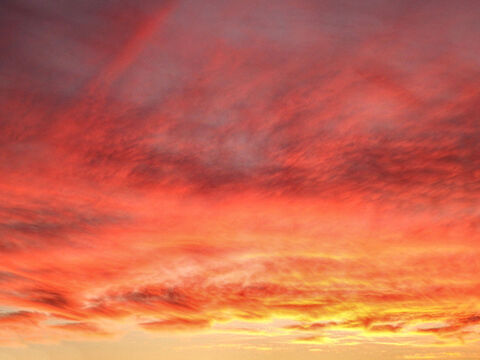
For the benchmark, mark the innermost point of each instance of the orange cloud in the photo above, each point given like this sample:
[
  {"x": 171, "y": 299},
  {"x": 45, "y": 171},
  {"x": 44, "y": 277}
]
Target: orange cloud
[
  {"x": 313, "y": 163},
  {"x": 182, "y": 324}
]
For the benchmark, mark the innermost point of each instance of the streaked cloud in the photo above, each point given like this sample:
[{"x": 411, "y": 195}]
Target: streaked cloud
[{"x": 182, "y": 167}]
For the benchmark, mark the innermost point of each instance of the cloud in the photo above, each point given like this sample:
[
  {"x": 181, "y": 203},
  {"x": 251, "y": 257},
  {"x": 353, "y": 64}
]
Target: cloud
[
  {"x": 314, "y": 162},
  {"x": 176, "y": 324},
  {"x": 20, "y": 317},
  {"x": 82, "y": 328}
]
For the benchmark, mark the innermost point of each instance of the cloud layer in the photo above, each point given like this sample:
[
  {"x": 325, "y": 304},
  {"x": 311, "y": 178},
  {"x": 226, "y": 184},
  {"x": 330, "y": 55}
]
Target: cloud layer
[{"x": 180, "y": 165}]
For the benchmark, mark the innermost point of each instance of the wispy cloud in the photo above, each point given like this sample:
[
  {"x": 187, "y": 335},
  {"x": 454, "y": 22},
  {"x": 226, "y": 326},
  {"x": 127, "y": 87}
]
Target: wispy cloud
[{"x": 179, "y": 165}]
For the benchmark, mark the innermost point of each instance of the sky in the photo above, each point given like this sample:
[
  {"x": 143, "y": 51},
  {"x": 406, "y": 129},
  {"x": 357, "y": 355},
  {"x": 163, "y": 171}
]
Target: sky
[{"x": 245, "y": 179}]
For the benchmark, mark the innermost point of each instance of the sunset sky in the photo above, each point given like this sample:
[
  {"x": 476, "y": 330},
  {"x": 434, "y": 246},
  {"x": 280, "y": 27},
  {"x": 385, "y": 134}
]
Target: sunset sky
[{"x": 241, "y": 179}]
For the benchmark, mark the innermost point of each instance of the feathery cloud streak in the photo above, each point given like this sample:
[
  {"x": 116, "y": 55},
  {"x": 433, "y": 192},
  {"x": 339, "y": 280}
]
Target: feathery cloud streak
[{"x": 177, "y": 166}]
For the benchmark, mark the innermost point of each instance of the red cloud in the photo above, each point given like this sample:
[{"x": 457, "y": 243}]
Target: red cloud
[{"x": 262, "y": 162}]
